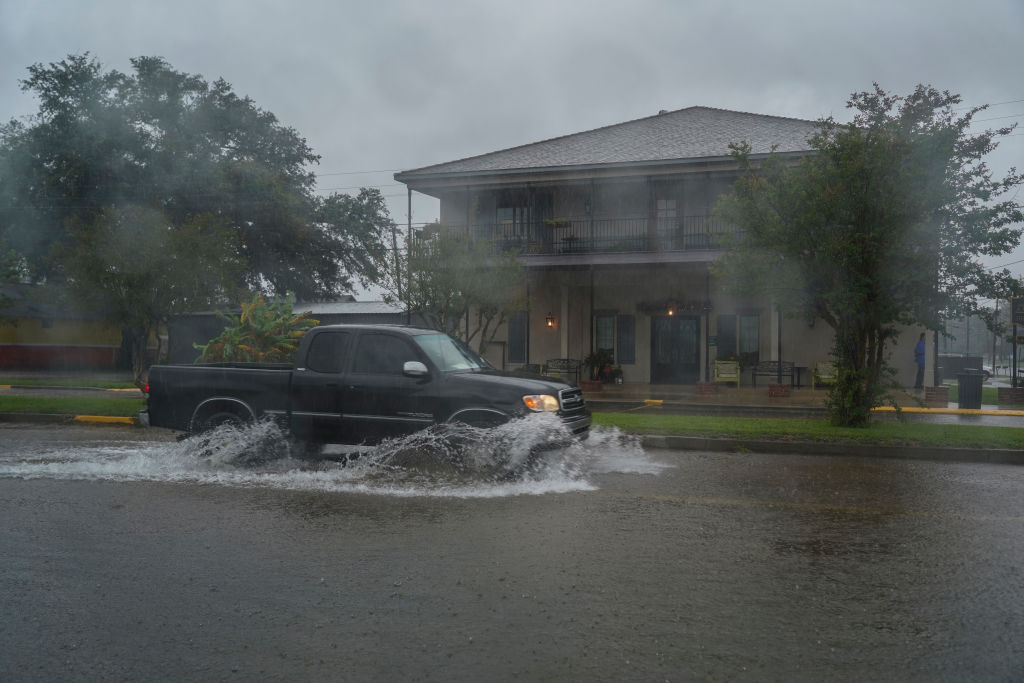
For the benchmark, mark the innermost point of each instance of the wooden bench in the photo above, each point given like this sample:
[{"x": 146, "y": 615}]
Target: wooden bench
[
  {"x": 567, "y": 368},
  {"x": 727, "y": 371},
  {"x": 770, "y": 368}
]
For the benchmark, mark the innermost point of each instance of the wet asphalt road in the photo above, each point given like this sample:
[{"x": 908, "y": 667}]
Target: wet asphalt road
[{"x": 719, "y": 567}]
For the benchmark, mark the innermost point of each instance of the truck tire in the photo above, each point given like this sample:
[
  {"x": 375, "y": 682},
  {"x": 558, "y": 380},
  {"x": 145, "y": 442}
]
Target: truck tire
[{"x": 217, "y": 419}]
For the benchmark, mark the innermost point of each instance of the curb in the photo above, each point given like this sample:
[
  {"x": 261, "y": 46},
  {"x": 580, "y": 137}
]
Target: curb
[
  {"x": 966, "y": 455},
  {"x": 50, "y": 387},
  {"x": 58, "y": 418},
  {"x": 106, "y": 419}
]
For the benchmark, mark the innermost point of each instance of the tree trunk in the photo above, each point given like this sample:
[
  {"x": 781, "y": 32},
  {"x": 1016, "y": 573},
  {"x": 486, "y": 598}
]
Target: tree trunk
[{"x": 140, "y": 357}]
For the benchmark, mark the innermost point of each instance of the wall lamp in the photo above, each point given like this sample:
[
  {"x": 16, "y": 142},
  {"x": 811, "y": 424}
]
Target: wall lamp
[{"x": 549, "y": 320}]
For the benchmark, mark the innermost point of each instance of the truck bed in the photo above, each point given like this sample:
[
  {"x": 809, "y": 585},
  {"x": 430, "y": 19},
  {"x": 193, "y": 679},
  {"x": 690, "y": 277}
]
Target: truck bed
[{"x": 176, "y": 391}]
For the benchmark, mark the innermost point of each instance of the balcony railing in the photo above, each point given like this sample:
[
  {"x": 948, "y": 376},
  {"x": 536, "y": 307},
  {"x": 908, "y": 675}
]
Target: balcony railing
[{"x": 614, "y": 235}]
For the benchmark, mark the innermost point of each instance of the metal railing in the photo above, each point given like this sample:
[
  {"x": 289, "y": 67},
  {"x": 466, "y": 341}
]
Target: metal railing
[{"x": 605, "y": 235}]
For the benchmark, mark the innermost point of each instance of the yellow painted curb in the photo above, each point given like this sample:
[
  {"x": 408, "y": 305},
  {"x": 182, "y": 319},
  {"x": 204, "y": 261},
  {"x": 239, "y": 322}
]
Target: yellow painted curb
[
  {"x": 105, "y": 419},
  {"x": 648, "y": 403},
  {"x": 953, "y": 411}
]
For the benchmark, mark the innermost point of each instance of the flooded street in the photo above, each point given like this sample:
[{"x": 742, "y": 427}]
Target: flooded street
[{"x": 129, "y": 556}]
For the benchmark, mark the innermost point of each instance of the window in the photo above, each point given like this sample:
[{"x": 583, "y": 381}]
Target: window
[
  {"x": 666, "y": 211},
  {"x": 382, "y": 354},
  {"x": 517, "y": 337},
  {"x": 513, "y": 216},
  {"x": 604, "y": 334},
  {"x": 739, "y": 335},
  {"x": 326, "y": 352},
  {"x": 449, "y": 354},
  {"x": 750, "y": 344},
  {"x": 625, "y": 339},
  {"x": 616, "y": 334},
  {"x": 726, "y": 336}
]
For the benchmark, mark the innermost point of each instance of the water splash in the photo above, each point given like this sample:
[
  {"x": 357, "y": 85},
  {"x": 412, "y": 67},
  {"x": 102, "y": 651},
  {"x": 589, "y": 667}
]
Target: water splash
[{"x": 532, "y": 456}]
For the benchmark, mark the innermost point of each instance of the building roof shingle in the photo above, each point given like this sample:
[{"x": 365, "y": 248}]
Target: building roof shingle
[{"x": 691, "y": 133}]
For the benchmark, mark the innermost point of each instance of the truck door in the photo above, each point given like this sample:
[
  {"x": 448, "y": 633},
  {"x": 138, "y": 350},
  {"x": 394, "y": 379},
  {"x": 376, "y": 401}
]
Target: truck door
[
  {"x": 380, "y": 400},
  {"x": 317, "y": 394}
]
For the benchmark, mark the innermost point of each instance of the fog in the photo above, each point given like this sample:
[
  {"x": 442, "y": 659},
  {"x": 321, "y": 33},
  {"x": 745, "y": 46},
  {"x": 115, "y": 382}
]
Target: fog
[{"x": 381, "y": 87}]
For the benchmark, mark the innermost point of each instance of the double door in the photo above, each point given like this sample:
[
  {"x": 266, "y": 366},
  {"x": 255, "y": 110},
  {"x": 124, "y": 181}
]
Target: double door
[{"x": 675, "y": 349}]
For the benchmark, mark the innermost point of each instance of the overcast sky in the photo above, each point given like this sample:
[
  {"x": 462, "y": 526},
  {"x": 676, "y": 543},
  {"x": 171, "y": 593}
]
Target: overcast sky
[{"x": 381, "y": 86}]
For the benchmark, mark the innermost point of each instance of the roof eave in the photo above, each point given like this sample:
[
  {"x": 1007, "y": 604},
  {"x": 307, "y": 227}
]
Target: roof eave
[{"x": 419, "y": 178}]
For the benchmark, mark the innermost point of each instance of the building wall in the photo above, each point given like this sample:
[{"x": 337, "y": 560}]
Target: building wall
[
  {"x": 573, "y": 295},
  {"x": 34, "y": 343}
]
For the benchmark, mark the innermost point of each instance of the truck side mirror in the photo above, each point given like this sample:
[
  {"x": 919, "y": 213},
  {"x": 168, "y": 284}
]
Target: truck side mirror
[{"x": 414, "y": 368}]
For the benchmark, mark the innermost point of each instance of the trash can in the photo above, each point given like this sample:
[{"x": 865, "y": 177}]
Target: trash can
[{"x": 969, "y": 388}]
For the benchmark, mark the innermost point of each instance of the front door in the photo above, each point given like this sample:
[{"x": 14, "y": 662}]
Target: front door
[{"x": 675, "y": 351}]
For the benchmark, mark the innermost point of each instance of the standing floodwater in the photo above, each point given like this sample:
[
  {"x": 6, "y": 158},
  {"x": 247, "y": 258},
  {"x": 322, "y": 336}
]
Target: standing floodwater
[{"x": 127, "y": 559}]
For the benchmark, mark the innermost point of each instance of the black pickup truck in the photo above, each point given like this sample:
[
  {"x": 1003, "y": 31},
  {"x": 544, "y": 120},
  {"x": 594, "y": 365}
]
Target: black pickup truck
[{"x": 358, "y": 384}]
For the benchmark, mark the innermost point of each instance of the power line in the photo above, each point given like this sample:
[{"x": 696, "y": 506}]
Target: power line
[
  {"x": 389, "y": 170},
  {"x": 357, "y": 187},
  {"x": 1011, "y": 263},
  {"x": 992, "y": 104},
  {"x": 996, "y": 118}
]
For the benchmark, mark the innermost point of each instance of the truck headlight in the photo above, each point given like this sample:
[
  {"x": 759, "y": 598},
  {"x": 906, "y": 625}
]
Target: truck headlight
[{"x": 539, "y": 403}]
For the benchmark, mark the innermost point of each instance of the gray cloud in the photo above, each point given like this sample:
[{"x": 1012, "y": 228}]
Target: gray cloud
[{"x": 398, "y": 84}]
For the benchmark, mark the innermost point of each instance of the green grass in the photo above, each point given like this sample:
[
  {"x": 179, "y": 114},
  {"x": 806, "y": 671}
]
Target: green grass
[
  {"x": 119, "y": 407},
  {"x": 66, "y": 382},
  {"x": 879, "y": 433},
  {"x": 887, "y": 433}
]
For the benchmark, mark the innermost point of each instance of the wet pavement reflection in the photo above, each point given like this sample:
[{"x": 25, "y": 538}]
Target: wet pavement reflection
[{"x": 656, "y": 565}]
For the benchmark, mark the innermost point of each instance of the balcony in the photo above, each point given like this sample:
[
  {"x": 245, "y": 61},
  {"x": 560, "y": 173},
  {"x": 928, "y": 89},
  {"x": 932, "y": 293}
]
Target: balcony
[{"x": 605, "y": 236}]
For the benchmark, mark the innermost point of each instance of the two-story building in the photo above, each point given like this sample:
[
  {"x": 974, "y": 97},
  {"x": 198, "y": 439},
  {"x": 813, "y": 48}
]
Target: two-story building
[{"x": 616, "y": 228}]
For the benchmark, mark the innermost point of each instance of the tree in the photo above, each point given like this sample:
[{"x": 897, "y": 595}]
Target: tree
[
  {"x": 455, "y": 284},
  {"x": 882, "y": 225},
  {"x": 130, "y": 265},
  {"x": 181, "y": 155},
  {"x": 12, "y": 269},
  {"x": 262, "y": 333}
]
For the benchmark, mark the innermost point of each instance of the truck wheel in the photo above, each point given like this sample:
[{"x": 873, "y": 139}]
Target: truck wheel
[{"x": 222, "y": 418}]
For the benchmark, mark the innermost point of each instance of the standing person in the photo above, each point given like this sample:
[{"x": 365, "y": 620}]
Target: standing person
[{"x": 919, "y": 359}]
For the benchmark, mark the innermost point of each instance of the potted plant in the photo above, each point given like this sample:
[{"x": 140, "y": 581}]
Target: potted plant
[
  {"x": 615, "y": 375},
  {"x": 600, "y": 369}
]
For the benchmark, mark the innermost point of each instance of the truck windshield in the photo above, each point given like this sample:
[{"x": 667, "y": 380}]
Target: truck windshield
[{"x": 450, "y": 355}]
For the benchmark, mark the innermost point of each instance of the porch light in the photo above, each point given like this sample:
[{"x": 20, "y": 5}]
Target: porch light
[{"x": 549, "y": 320}]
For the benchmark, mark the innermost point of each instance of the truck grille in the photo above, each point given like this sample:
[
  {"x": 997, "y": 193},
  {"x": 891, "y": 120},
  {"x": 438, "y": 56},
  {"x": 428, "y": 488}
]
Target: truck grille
[{"x": 571, "y": 399}]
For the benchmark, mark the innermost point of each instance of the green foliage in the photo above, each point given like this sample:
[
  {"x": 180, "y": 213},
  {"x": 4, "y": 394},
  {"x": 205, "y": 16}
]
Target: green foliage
[
  {"x": 599, "y": 363},
  {"x": 881, "y": 227},
  {"x": 154, "y": 191},
  {"x": 262, "y": 333},
  {"x": 131, "y": 265},
  {"x": 174, "y": 143},
  {"x": 58, "y": 405},
  {"x": 456, "y": 284}
]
